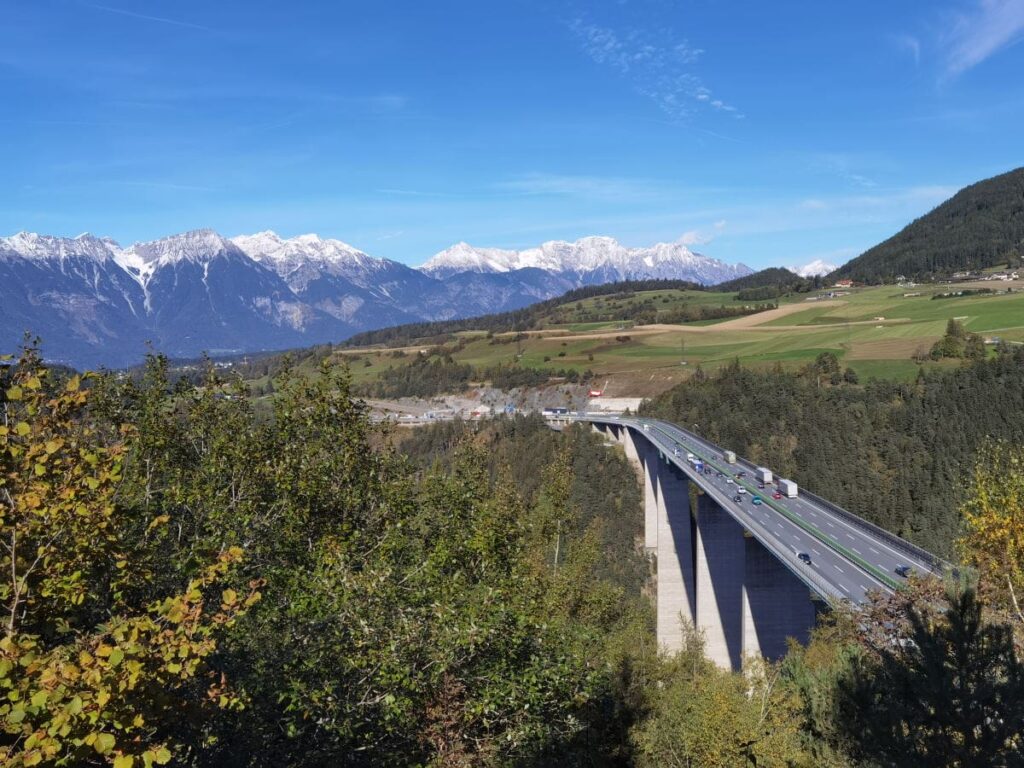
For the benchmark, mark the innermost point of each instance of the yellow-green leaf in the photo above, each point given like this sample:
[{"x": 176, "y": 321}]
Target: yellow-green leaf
[
  {"x": 14, "y": 393},
  {"x": 104, "y": 743},
  {"x": 124, "y": 761}
]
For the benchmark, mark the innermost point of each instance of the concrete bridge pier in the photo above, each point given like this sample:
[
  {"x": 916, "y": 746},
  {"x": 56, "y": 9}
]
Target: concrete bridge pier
[
  {"x": 720, "y": 574},
  {"x": 711, "y": 573},
  {"x": 776, "y": 605},
  {"x": 677, "y": 591}
]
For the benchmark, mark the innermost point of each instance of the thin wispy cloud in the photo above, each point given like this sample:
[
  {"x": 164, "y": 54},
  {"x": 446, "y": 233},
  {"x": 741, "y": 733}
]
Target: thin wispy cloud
[
  {"x": 146, "y": 17},
  {"x": 661, "y": 70},
  {"x": 583, "y": 187},
  {"x": 696, "y": 237},
  {"x": 910, "y": 45},
  {"x": 843, "y": 165},
  {"x": 975, "y": 36}
]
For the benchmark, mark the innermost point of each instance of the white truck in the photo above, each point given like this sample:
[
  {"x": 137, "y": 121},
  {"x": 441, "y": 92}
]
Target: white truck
[
  {"x": 763, "y": 475},
  {"x": 788, "y": 488},
  {"x": 729, "y": 456}
]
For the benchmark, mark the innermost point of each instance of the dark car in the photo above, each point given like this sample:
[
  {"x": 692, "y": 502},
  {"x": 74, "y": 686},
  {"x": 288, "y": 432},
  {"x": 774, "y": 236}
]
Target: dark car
[
  {"x": 737, "y": 498},
  {"x": 904, "y": 570},
  {"x": 804, "y": 558},
  {"x": 760, "y": 486}
]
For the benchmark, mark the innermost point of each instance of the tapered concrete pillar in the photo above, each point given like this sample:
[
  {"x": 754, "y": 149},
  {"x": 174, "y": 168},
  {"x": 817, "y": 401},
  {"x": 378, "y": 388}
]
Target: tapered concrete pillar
[
  {"x": 720, "y": 573},
  {"x": 677, "y": 596},
  {"x": 629, "y": 444},
  {"x": 776, "y": 605},
  {"x": 652, "y": 471}
]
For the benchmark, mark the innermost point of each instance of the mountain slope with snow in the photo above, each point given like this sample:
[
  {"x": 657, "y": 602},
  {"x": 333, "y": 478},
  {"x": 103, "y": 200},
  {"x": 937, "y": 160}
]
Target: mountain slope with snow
[
  {"x": 814, "y": 269},
  {"x": 590, "y": 260},
  {"x": 96, "y": 303}
]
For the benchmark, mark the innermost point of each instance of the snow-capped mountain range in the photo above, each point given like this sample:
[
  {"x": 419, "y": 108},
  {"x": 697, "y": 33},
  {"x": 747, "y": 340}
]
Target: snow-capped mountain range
[
  {"x": 815, "y": 268},
  {"x": 588, "y": 257},
  {"x": 96, "y": 303}
]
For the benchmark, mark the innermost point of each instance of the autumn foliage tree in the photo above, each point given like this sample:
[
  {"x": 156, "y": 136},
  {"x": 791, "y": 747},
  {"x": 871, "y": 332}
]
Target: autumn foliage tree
[
  {"x": 87, "y": 674},
  {"x": 993, "y": 514}
]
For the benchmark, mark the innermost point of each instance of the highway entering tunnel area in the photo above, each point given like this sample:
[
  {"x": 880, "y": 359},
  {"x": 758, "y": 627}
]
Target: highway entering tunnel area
[{"x": 748, "y": 576}]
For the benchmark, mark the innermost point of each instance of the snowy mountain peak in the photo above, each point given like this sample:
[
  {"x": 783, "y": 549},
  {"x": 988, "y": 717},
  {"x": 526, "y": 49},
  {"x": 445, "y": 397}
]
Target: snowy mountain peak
[
  {"x": 595, "y": 255},
  {"x": 463, "y": 257},
  {"x": 288, "y": 254},
  {"x": 814, "y": 268},
  {"x": 31, "y": 245},
  {"x": 195, "y": 245}
]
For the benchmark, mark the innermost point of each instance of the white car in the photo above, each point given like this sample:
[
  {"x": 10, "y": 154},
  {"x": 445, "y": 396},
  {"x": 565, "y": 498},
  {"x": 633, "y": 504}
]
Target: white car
[
  {"x": 741, "y": 490},
  {"x": 729, "y": 480}
]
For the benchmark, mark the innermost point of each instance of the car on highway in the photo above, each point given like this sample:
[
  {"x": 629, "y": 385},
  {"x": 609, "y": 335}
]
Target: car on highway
[
  {"x": 737, "y": 498},
  {"x": 740, "y": 475},
  {"x": 776, "y": 495},
  {"x": 760, "y": 486},
  {"x": 720, "y": 474},
  {"x": 756, "y": 501},
  {"x": 904, "y": 570},
  {"x": 741, "y": 490},
  {"x": 676, "y": 451},
  {"x": 804, "y": 558},
  {"x": 707, "y": 470},
  {"x": 730, "y": 481}
]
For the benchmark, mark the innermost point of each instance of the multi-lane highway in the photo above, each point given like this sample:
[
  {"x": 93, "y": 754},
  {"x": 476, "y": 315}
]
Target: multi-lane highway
[{"x": 848, "y": 557}]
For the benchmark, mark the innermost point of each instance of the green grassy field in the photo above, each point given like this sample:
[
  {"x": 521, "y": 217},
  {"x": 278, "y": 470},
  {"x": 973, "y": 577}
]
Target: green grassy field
[{"x": 875, "y": 331}]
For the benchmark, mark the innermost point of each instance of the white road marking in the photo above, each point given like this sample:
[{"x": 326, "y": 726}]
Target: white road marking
[
  {"x": 840, "y": 569},
  {"x": 857, "y": 550}
]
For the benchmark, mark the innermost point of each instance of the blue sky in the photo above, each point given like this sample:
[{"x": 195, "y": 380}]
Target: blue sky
[{"x": 768, "y": 133}]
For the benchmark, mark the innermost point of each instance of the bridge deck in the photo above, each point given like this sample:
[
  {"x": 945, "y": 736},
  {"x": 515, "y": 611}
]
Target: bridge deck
[{"x": 849, "y": 556}]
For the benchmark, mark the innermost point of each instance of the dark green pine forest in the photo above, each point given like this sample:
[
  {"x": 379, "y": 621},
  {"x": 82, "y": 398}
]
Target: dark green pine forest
[{"x": 980, "y": 226}]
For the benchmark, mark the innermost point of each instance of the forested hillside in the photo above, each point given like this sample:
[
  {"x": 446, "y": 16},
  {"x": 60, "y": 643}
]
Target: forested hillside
[
  {"x": 772, "y": 277},
  {"x": 517, "y": 320},
  {"x": 897, "y": 454},
  {"x": 980, "y": 226},
  {"x": 190, "y": 582}
]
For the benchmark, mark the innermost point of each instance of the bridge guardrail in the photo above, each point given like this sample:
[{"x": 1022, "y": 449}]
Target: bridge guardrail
[
  {"x": 936, "y": 564},
  {"x": 807, "y": 576},
  {"x": 815, "y": 533}
]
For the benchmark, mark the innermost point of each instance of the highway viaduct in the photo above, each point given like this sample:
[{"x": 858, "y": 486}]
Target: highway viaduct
[{"x": 748, "y": 576}]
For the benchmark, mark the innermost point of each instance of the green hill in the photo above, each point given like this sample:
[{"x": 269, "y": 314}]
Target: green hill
[
  {"x": 768, "y": 284},
  {"x": 981, "y": 226}
]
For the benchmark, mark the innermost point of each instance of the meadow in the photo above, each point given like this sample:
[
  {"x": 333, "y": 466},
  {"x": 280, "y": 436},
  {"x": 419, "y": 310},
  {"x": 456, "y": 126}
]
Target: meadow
[{"x": 876, "y": 331}]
